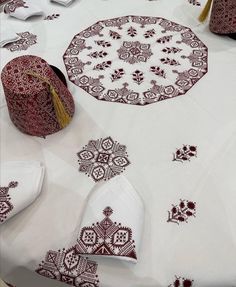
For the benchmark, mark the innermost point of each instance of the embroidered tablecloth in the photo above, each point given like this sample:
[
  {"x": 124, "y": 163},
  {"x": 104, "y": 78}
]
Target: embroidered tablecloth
[{"x": 155, "y": 100}]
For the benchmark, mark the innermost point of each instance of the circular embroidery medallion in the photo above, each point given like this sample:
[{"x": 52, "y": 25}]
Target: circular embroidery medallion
[{"x": 136, "y": 60}]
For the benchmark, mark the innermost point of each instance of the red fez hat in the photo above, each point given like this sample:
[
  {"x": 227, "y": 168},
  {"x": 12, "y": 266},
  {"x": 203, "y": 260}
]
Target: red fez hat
[
  {"x": 39, "y": 103},
  {"x": 223, "y": 16}
]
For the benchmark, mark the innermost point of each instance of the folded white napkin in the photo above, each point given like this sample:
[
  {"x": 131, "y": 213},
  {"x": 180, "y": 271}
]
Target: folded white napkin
[
  {"x": 63, "y": 2},
  {"x": 22, "y": 9},
  {"x": 112, "y": 222},
  {"x": 7, "y": 35},
  {"x": 20, "y": 185}
]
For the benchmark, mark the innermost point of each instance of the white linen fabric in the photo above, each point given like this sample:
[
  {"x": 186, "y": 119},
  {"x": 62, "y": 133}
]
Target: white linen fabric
[
  {"x": 21, "y": 183},
  {"x": 118, "y": 214},
  {"x": 199, "y": 252},
  {"x": 8, "y": 35}
]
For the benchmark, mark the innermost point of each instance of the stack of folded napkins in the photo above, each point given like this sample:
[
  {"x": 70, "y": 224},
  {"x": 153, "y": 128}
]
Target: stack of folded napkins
[
  {"x": 7, "y": 35},
  {"x": 63, "y": 2},
  {"x": 20, "y": 185}
]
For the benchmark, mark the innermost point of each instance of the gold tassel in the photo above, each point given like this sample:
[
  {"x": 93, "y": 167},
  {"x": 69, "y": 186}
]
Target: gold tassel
[
  {"x": 202, "y": 17},
  {"x": 62, "y": 116}
]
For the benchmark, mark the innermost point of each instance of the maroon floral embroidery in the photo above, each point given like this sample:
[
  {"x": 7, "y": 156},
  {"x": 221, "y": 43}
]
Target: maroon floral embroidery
[
  {"x": 182, "y": 212},
  {"x": 27, "y": 40},
  {"x": 51, "y": 17},
  {"x": 102, "y": 43},
  {"x": 103, "y": 159},
  {"x": 138, "y": 77},
  {"x": 132, "y": 32},
  {"x": 169, "y": 61},
  {"x": 164, "y": 39},
  {"x": 98, "y": 54},
  {"x": 149, "y": 33},
  {"x": 180, "y": 48},
  {"x": 143, "y": 20},
  {"x": 114, "y": 35},
  {"x": 103, "y": 65},
  {"x": 5, "y": 200},
  {"x": 117, "y": 74},
  {"x": 106, "y": 238},
  {"x": 11, "y": 6},
  {"x": 169, "y": 50},
  {"x": 187, "y": 152},
  {"x": 123, "y": 95},
  {"x": 182, "y": 282},
  {"x": 158, "y": 71},
  {"x": 68, "y": 266},
  {"x": 194, "y": 2},
  {"x": 134, "y": 52}
]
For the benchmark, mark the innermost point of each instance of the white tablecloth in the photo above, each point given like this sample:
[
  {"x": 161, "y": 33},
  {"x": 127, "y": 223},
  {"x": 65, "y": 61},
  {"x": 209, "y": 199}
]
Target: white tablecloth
[{"x": 204, "y": 249}]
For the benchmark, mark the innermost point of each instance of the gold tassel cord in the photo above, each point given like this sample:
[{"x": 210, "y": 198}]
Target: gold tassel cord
[
  {"x": 202, "y": 17},
  {"x": 62, "y": 116}
]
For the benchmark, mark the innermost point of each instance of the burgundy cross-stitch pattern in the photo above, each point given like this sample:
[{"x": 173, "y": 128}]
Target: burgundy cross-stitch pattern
[
  {"x": 11, "y": 6},
  {"x": 186, "y": 153},
  {"x": 182, "y": 211},
  {"x": 51, "y": 17},
  {"x": 106, "y": 238},
  {"x": 103, "y": 159},
  {"x": 223, "y": 17},
  {"x": 26, "y": 40},
  {"x": 69, "y": 267},
  {"x": 182, "y": 282},
  {"x": 5, "y": 200},
  {"x": 138, "y": 43}
]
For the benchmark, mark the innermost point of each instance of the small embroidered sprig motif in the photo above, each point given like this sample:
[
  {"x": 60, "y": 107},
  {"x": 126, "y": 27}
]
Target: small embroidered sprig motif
[
  {"x": 194, "y": 2},
  {"x": 182, "y": 282},
  {"x": 52, "y": 17},
  {"x": 182, "y": 212},
  {"x": 185, "y": 153}
]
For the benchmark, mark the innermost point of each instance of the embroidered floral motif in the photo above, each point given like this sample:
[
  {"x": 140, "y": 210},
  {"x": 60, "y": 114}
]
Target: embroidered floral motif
[
  {"x": 106, "y": 238},
  {"x": 182, "y": 282},
  {"x": 194, "y": 2},
  {"x": 103, "y": 65},
  {"x": 27, "y": 40},
  {"x": 11, "y": 6},
  {"x": 182, "y": 212},
  {"x": 5, "y": 200},
  {"x": 98, "y": 54},
  {"x": 132, "y": 32},
  {"x": 134, "y": 52},
  {"x": 187, "y": 152},
  {"x": 52, "y": 17},
  {"x": 149, "y": 33},
  {"x": 68, "y": 266},
  {"x": 158, "y": 71},
  {"x": 138, "y": 77},
  {"x": 114, "y": 35},
  {"x": 116, "y": 39},
  {"x": 117, "y": 74},
  {"x": 103, "y": 159}
]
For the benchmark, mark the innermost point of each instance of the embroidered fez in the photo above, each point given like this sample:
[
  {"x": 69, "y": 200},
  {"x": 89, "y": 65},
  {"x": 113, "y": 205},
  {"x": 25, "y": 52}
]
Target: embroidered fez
[
  {"x": 39, "y": 103},
  {"x": 223, "y": 16}
]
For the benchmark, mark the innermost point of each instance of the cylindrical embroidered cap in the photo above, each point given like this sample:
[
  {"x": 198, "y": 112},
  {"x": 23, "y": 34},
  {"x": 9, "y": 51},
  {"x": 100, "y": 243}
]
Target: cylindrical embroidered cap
[
  {"x": 39, "y": 103},
  {"x": 223, "y": 17}
]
